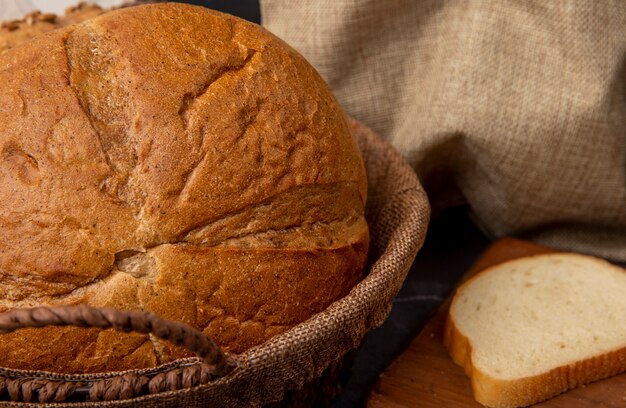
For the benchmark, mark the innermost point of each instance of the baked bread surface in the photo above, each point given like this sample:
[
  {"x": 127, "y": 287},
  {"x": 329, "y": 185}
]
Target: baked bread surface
[
  {"x": 532, "y": 328},
  {"x": 178, "y": 160}
]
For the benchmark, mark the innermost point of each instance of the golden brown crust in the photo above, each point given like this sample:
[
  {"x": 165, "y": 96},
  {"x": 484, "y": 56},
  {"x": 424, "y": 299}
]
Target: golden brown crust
[
  {"x": 520, "y": 392},
  {"x": 195, "y": 166}
]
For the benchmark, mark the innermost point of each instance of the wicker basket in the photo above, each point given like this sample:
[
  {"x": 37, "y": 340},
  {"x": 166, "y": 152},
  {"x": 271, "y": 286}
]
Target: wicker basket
[{"x": 301, "y": 367}]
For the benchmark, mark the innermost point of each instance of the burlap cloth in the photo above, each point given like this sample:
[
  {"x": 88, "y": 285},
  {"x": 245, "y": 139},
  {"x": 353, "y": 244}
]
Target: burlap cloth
[
  {"x": 515, "y": 107},
  {"x": 398, "y": 215}
]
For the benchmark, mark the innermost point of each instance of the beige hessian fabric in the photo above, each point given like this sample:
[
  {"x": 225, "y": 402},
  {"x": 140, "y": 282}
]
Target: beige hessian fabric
[{"x": 517, "y": 107}]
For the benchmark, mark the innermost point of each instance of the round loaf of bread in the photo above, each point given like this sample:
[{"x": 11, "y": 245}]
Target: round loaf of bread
[{"x": 172, "y": 159}]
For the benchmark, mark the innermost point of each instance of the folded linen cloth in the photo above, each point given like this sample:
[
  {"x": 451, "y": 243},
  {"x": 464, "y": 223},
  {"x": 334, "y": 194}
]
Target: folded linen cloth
[{"x": 516, "y": 107}]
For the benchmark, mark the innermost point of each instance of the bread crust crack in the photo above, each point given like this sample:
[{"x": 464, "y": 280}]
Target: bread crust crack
[{"x": 175, "y": 160}]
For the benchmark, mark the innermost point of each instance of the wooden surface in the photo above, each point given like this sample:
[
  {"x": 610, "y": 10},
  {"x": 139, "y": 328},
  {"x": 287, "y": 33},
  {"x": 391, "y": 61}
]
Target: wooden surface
[{"x": 425, "y": 376}]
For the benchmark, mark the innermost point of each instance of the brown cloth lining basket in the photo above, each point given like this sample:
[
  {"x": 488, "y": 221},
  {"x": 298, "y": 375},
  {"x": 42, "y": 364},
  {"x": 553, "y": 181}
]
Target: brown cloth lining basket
[{"x": 289, "y": 369}]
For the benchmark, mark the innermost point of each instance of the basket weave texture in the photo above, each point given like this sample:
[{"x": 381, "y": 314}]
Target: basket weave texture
[{"x": 398, "y": 214}]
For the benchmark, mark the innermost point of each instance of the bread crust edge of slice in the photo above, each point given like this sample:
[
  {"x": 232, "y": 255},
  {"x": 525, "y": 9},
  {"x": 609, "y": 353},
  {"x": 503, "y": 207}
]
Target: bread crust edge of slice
[{"x": 520, "y": 392}]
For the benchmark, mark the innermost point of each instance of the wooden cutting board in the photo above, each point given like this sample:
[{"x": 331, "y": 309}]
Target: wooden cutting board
[{"x": 425, "y": 376}]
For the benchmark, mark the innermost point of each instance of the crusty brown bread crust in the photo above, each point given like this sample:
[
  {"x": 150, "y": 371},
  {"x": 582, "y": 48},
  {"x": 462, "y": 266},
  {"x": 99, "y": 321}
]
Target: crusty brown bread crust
[{"x": 173, "y": 159}]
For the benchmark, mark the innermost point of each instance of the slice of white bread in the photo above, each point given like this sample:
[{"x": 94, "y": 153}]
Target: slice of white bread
[{"x": 532, "y": 328}]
